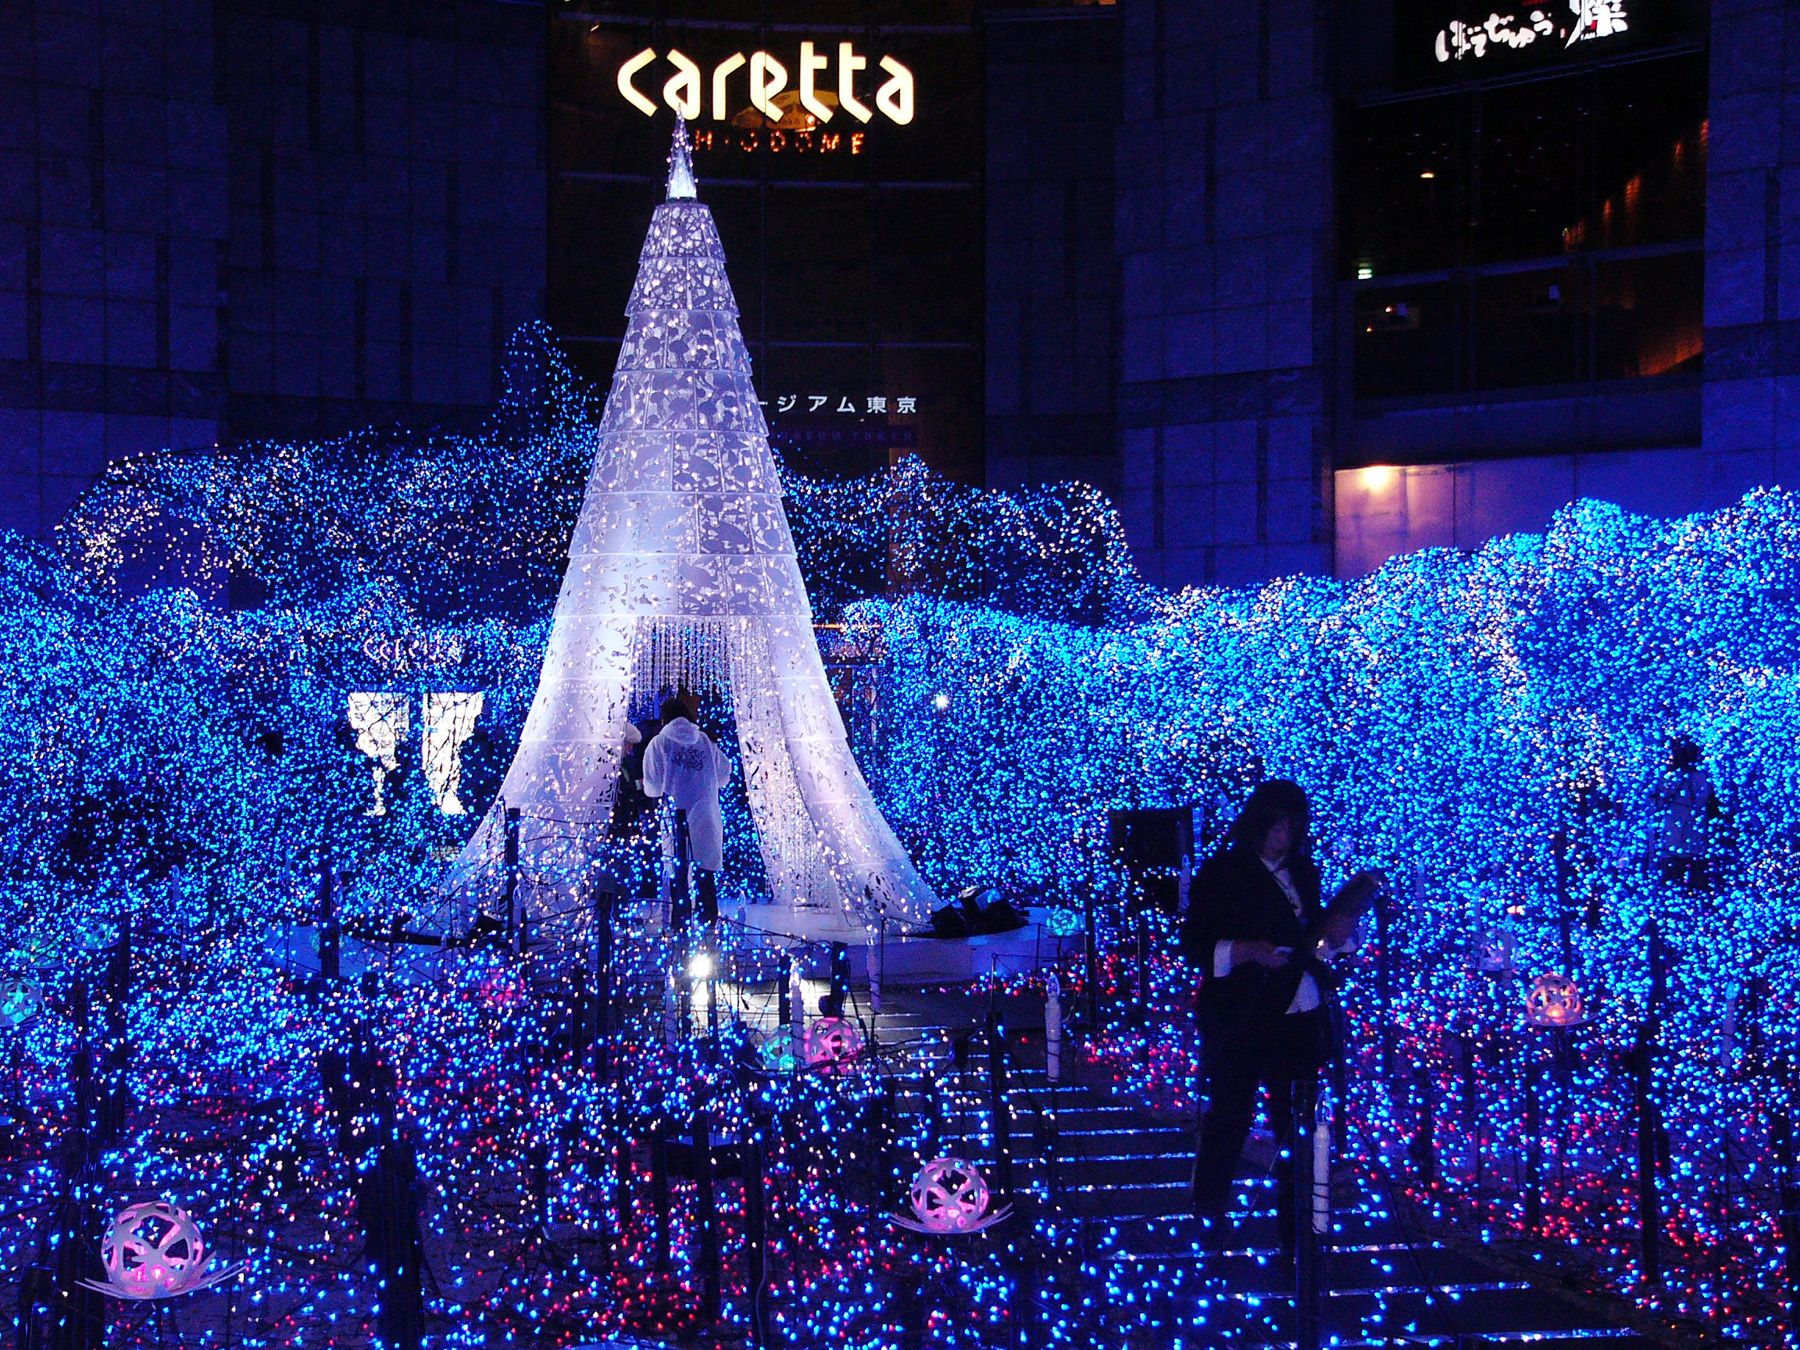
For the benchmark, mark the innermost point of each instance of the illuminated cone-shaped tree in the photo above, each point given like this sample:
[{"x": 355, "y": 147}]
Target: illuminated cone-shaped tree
[{"x": 682, "y": 575}]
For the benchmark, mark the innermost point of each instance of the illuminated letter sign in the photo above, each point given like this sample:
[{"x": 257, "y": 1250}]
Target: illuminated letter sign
[
  {"x": 681, "y": 92},
  {"x": 768, "y": 77},
  {"x": 721, "y": 109},
  {"x": 1584, "y": 21},
  {"x": 848, "y": 64},
  {"x": 811, "y": 64},
  {"x": 626, "y": 71},
  {"x": 895, "y": 98}
]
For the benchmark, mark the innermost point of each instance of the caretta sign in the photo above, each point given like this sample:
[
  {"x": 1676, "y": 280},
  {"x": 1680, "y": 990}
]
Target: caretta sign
[{"x": 826, "y": 83}]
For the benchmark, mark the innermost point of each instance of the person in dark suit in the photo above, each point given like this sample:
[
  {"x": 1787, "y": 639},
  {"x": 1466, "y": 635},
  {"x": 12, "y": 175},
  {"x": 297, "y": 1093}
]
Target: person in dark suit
[{"x": 1256, "y": 930}]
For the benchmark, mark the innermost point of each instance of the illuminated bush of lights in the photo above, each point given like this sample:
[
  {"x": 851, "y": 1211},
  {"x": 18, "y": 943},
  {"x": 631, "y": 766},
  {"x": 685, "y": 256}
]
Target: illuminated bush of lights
[{"x": 1455, "y": 713}]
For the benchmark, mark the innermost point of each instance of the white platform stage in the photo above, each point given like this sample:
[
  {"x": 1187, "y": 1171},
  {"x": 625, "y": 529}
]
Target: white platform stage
[{"x": 904, "y": 958}]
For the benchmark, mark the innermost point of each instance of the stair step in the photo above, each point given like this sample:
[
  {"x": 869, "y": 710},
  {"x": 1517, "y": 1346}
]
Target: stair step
[{"x": 1121, "y": 1177}]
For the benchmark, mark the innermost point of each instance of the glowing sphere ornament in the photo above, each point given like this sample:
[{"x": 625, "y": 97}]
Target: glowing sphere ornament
[
  {"x": 1492, "y": 952},
  {"x": 21, "y": 999},
  {"x": 1063, "y": 922},
  {"x": 778, "y": 1052},
  {"x": 950, "y": 1196},
  {"x": 1554, "y": 1001},
  {"x": 831, "y": 1042},
  {"x": 154, "y": 1250}
]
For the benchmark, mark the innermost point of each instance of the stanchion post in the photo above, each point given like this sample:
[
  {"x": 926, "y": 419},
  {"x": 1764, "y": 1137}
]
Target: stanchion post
[
  {"x": 1384, "y": 977},
  {"x": 1090, "y": 962},
  {"x": 1787, "y": 1193},
  {"x": 796, "y": 1003},
  {"x": 331, "y": 933},
  {"x": 1424, "y": 1145},
  {"x": 1307, "y": 1229},
  {"x": 1142, "y": 943},
  {"x": 998, "y": 1104},
  {"x": 756, "y": 1231},
  {"x": 1641, "y": 1060},
  {"x": 601, "y": 944},
  {"x": 513, "y": 899},
  {"x": 659, "y": 1193},
  {"x": 707, "y": 1207},
  {"x": 1534, "y": 1145}
]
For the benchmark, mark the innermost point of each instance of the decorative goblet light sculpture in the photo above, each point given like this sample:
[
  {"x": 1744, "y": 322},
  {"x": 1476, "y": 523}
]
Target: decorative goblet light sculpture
[
  {"x": 831, "y": 1042},
  {"x": 950, "y": 1196},
  {"x": 1554, "y": 1001},
  {"x": 21, "y": 999},
  {"x": 154, "y": 1250}
]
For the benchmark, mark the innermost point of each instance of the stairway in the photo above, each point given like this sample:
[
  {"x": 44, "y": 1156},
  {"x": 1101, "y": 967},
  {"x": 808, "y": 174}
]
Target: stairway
[{"x": 1120, "y": 1176}]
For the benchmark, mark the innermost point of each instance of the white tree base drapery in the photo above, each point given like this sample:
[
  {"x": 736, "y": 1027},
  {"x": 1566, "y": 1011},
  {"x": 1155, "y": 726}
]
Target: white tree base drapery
[{"x": 682, "y": 575}]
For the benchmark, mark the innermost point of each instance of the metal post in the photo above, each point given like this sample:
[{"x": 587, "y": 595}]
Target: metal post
[
  {"x": 1534, "y": 1145},
  {"x": 877, "y": 948},
  {"x": 623, "y": 1177},
  {"x": 113, "y": 1095},
  {"x": 1090, "y": 962},
  {"x": 659, "y": 1193},
  {"x": 1140, "y": 1012},
  {"x": 840, "y": 981},
  {"x": 707, "y": 1206},
  {"x": 1781, "y": 1137},
  {"x": 796, "y": 1003},
  {"x": 1384, "y": 977},
  {"x": 514, "y": 928},
  {"x": 1308, "y": 1221},
  {"x": 118, "y": 983},
  {"x": 601, "y": 942},
  {"x": 681, "y": 895},
  {"x": 1564, "y": 884},
  {"x": 331, "y": 940},
  {"x": 1641, "y": 1060},
  {"x": 998, "y": 1104},
  {"x": 756, "y": 1231}
]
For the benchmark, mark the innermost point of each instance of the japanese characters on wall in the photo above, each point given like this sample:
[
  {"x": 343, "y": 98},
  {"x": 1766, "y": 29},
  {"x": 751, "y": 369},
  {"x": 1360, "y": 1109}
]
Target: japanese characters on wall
[
  {"x": 1550, "y": 24},
  {"x": 1438, "y": 40}
]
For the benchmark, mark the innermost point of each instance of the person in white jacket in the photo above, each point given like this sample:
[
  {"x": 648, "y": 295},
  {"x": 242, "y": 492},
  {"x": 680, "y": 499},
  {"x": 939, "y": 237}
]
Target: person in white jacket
[{"x": 683, "y": 764}]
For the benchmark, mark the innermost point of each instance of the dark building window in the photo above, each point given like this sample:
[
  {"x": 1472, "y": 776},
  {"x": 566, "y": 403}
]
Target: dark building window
[{"x": 1534, "y": 233}]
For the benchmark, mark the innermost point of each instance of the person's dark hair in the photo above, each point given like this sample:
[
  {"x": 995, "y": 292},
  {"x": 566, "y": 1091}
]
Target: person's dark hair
[
  {"x": 672, "y": 708},
  {"x": 1275, "y": 800}
]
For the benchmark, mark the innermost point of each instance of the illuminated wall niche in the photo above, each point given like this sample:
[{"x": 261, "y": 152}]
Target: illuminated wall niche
[{"x": 382, "y": 723}]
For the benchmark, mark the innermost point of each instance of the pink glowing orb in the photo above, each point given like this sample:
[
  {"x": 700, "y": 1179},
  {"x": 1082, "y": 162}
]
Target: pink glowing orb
[
  {"x": 154, "y": 1250},
  {"x": 949, "y": 1196},
  {"x": 831, "y": 1042}
]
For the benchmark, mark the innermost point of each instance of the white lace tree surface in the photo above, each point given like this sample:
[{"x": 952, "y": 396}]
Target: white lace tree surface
[{"x": 682, "y": 574}]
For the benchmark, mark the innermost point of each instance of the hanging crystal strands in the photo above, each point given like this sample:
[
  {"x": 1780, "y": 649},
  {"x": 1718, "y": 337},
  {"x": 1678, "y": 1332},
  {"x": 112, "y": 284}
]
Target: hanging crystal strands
[{"x": 681, "y": 656}]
